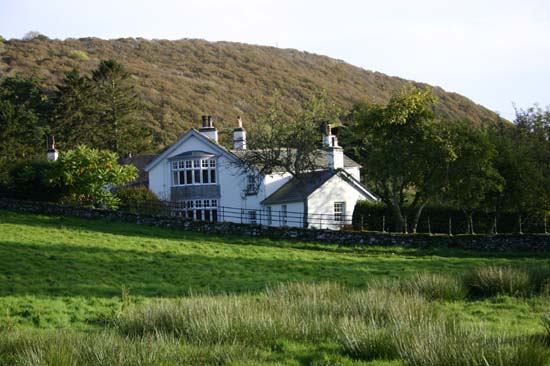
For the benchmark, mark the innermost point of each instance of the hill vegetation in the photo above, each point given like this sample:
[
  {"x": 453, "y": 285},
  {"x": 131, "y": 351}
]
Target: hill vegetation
[{"x": 178, "y": 81}]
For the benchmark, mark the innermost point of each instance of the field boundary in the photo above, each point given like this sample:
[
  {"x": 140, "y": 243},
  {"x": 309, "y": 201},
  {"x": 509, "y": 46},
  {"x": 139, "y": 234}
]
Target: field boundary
[{"x": 499, "y": 242}]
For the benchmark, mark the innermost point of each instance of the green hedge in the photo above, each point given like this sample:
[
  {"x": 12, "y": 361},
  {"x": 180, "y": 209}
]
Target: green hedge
[{"x": 435, "y": 219}]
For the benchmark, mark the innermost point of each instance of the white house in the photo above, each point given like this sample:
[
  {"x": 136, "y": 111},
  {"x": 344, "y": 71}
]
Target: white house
[{"x": 204, "y": 181}]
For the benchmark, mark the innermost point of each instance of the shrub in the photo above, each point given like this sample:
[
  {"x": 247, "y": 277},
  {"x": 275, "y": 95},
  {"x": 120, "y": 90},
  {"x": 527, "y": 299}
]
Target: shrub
[
  {"x": 435, "y": 286},
  {"x": 491, "y": 281},
  {"x": 31, "y": 181},
  {"x": 140, "y": 200}
]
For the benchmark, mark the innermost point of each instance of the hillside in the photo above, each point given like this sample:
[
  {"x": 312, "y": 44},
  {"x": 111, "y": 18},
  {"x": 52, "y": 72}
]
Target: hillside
[{"x": 181, "y": 80}]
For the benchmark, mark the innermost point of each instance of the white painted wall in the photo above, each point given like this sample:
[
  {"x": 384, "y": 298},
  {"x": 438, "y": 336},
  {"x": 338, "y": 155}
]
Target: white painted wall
[
  {"x": 322, "y": 202},
  {"x": 233, "y": 183}
]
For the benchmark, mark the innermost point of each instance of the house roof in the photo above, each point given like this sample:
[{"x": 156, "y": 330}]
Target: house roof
[
  {"x": 191, "y": 133},
  {"x": 292, "y": 192},
  {"x": 321, "y": 158},
  {"x": 139, "y": 161}
]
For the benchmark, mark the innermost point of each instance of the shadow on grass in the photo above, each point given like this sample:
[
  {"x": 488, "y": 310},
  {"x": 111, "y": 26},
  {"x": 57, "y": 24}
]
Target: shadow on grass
[
  {"x": 128, "y": 229},
  {"x": 64, "y": 269}
]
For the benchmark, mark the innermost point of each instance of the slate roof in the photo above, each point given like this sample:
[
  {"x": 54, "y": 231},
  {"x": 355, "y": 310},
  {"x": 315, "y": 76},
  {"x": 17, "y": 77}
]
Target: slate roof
[
  {"x": 321, "y": 158},
  {"x": 292, "y": 192},
  {"x": 139, "y": 161}
]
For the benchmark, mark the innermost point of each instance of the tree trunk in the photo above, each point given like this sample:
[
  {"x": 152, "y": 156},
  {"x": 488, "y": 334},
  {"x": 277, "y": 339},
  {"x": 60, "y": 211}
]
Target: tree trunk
[{"x": 417, "y": 214}]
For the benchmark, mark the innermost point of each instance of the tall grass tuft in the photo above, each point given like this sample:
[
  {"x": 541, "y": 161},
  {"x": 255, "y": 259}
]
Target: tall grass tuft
[
  {"x": 435, "y": 286},
  {"x": 497, "y": 280},
  {"x": 448, "y": 343},
  {"x": 367, "y": 340},
  {"x": 545, "y": 320},
  {"x": 68, "y": 348}
]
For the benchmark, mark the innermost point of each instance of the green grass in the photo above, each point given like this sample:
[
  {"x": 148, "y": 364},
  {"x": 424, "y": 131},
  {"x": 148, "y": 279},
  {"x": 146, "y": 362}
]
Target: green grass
[{"x": 66, "y": 283}]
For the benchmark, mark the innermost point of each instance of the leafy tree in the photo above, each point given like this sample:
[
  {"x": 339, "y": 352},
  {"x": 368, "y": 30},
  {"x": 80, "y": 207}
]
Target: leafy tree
[
  {"x": 404, "y": 150},
  {"x": 290, "y": 145},
  {"x": 118, "y": 120},
  {"x": 524, "y": 161},
  {"x": 85, "y": 176},
  {"x": 472, "y": 177},
  {"x": 31, "y": 180}
]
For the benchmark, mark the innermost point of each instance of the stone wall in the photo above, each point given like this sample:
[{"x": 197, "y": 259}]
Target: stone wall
[{"x": 501, "y": 242}]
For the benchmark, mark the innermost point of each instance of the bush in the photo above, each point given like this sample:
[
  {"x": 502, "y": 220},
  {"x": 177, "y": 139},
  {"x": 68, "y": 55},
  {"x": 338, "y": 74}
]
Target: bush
[
  {"x": 497, "y": 280},
  {"x": 32, "y": 181},
  {"x": 140, "y": 200}
]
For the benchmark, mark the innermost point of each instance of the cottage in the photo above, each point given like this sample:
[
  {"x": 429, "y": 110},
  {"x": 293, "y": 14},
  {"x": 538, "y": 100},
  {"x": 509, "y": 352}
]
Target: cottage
[{"x": 204, "y": 181}]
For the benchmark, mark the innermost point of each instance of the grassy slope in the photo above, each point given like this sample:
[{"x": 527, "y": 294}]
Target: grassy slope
[
  {"x": 180, "y": 80},
  {"x": 68, "y": 272}
]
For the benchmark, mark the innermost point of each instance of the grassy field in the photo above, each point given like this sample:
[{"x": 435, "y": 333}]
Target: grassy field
[{"x": 154, "y": 296}]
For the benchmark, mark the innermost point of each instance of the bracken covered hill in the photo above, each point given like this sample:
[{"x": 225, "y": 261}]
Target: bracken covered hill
[{"x": 181, "y": 80}]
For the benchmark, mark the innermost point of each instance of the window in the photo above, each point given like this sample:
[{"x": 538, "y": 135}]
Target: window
[
  {"x": 201, "y": 210},
  {"x": 252, "y": 217},
  {"x": 284, "y": 216},
  {"x": 197, "y": 171},
  {"x": 339, "y": 211},
  {"x": 251, "y": 184}
]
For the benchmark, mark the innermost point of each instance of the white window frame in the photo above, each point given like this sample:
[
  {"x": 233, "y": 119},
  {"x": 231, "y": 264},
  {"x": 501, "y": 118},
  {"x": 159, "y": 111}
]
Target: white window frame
[
  {"x": 339, "y": 211},
  {"x": 197, "y": 209},
  {"x": 284, "y": 215},
  {"x": 193, "y": 172},
  {"x": 253, "y": 217}
]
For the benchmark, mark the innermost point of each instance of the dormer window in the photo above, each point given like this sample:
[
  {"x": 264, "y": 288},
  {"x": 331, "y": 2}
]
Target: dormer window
[{"x": 193, "y": 168}]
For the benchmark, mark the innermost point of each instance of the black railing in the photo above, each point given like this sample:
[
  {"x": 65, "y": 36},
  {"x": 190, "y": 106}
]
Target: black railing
[{"x": 263, "y": 216}]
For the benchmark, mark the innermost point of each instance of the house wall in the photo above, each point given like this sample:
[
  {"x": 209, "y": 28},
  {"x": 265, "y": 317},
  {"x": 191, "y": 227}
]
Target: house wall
[
  {"x": 322, "y": 202},
  {"x": 295, "y": 211},
  {"x": 231, "y": 180}
]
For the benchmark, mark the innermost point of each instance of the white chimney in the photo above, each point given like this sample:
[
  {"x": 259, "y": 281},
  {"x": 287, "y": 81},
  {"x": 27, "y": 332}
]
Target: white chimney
[
  {"x": 52, "y": 154},
  {"x": 239, "y": 136},
  {"x": 208, "y": 128},
  {"x": 335, "y": 152}
]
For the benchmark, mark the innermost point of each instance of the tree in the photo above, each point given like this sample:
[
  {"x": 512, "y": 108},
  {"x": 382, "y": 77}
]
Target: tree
[
  {"x": 74, "y": 113},
  {"x": 523, "y": 160},
  {"x": 290, "y": 145},
  {"x": 85, "y": 174},
  {"x": 472, "y": 176},
  {"x": 24, "y": 117},
  {"x": 404, "y": 150},
  {"x": 119, "y": 124}
]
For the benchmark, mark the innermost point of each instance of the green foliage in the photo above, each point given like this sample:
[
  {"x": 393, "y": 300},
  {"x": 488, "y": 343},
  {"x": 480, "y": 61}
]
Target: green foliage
[
  {"x": 80, "y": 55},
  {"x": 24, "y": 113},
  {"x": 117, "y": 120},
  {"x": 472, "y": 176},
  {"x": 404, "y": 149},
  {"x": 523, "y": 160},
  {"x": 85, "y": 175},
  {"x": 140, "y": 200},
  {"x": 32, "y": 181}
]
